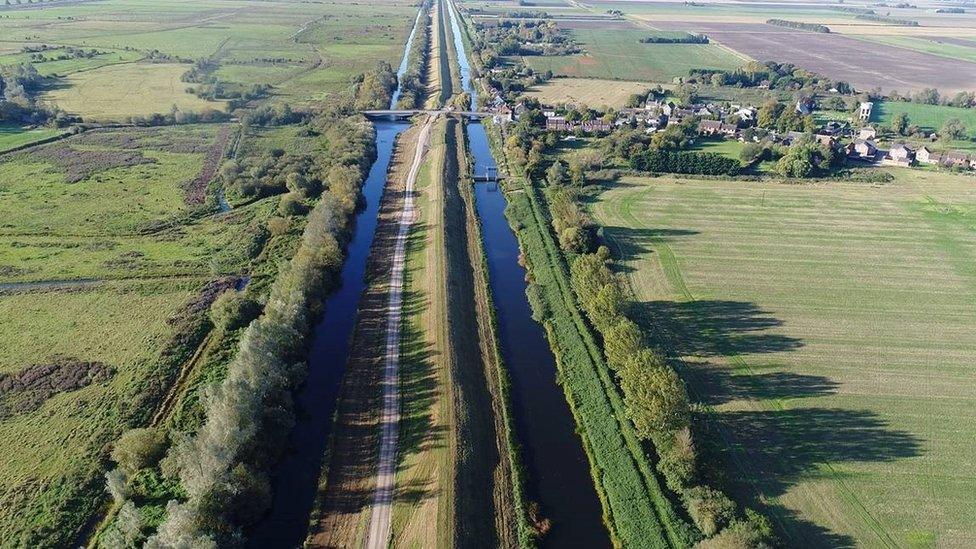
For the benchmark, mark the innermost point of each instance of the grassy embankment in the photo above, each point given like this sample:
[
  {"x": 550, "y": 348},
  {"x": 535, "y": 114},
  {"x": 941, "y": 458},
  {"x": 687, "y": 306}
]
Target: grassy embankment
[
  {"x": 843, "y": 343},
  {"x": 636, "y": 510}
]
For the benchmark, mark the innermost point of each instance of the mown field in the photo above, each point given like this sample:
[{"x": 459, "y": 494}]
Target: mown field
[
  {"x": 618, "y": 55},
  {"x": 306, "y": 51},
  {"x": 828, "y": 330},
  {"x": 931, "y": 45},
  {"x": 587, "y": 91}
]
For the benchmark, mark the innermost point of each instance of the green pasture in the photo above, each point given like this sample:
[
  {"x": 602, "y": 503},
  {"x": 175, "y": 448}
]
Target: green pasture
[
  {"x": 16, "y": 136},
  {"x": 827, "y": 330},
  {"x": 618, "y": 55},
  {"x": 929, "y": 117}
]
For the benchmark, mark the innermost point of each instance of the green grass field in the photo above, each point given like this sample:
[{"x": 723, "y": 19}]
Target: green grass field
[
  {"x": 117, "y": 92},
  {"x": 618, "y": 55},
  {"x": 828, "y": 330},
  {"x": 16, "y": 136},
  {"x": 309, "y": 51},
  {"x": 929, "y": 117},
  {"x": 922, "y": 44},
  {"x": 124, "y": 233}
]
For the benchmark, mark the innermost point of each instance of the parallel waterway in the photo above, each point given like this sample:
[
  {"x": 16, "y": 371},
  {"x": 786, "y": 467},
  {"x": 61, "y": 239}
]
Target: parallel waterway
[
  {"x": 552, "y": 454},
  {"x": 297, "y": 475}
]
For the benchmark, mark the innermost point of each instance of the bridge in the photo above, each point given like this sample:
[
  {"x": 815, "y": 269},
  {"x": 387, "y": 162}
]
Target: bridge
[{"x": 407, "y": 113}]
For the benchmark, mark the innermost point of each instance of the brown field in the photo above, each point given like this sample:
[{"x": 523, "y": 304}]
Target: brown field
[
  {"x": 864, "y": 65},
  {"x": 592, "y": 92}
]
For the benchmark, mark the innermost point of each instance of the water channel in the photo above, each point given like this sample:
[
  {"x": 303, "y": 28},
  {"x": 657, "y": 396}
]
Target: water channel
[
  {"x": 552, "y": 454},
  {"x": 556, "y": 467}
]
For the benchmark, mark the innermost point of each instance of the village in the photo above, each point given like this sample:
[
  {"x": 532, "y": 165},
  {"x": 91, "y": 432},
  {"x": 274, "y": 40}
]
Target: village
[{"x": 855, "y": 140}]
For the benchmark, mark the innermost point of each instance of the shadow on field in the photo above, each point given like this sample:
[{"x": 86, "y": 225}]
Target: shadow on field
[
  {"x": 418, "y": 378},
  {"x": 717, "y": 327},
  {"x": 630, "y": 243}
]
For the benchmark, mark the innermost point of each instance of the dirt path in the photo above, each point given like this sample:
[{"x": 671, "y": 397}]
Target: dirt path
[{"x": 379, "y": 523}]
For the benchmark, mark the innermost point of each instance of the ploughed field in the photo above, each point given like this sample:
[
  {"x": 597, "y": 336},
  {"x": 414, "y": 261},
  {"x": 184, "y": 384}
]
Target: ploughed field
[
  {"x": 829, "y": 328},
  {"x": 864, "y": 64}
]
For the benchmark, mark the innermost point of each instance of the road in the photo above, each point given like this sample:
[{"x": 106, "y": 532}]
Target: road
[{"x": 378, "y": 536}]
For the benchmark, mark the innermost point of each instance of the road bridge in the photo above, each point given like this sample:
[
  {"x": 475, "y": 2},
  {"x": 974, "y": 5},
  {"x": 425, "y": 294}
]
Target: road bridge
[{"x": 407, "y": 113}]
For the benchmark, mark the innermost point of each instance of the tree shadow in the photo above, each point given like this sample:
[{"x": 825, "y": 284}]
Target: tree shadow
[
  {"x": 630, "y": 243},
  {"x": 716, "y": 327}
]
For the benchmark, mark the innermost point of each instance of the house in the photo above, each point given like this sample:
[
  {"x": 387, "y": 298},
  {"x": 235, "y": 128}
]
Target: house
[
  {"x": 746, "y": 114},
  {"x": 717, "y": 127},
  {"x": 503, "y": 114},
  {"x": 596, "y": 126},
  {"x": 833, "y": 128},
  {"x": 519, "y": 110},
  {"x": 549, "y": 113},
  {"x": 928, "y": 156},
  {"x": 764, "y": 85},
  {"x": 899, "y": 155},
  {"x": 667, "y": 109},
  {"x": 864, "y": 112},
  {"x": 558, "y": 123},
  {"x": 956, "y": 159},
  {"x": 789, "y": 138},
  {"x": 805, "y": 105},
  {"x": 862, "y": 149},
  {"x": 867, "y": 133}
]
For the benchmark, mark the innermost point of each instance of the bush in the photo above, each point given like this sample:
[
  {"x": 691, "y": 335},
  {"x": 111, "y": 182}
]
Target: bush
[
  {"x": 291, "y": 205},
  {"x": 234, "y": 310},
  {"x": 661, "y": 161},
  {"x": 139, "y": 448},
  {"x": 677, "y": 459}
]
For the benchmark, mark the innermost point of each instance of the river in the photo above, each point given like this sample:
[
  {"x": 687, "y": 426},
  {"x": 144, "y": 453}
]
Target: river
[
  {"x": 556, "y": 467},
  {"x": 297, "y": 475}
]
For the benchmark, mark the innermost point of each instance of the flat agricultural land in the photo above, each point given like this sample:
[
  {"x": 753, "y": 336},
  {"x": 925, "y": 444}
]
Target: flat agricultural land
[
  {"x": 593, "y": 92},
  {"x": 619, "y": 55},
  {"x": 828, "y": 329},
  {"x": 864, "y": 64},
  {"x": 116, "y": 92},
  {"x": 306, "y": 50},
  {"x": 959, "y": 48},
  {"x": 929, "y": 117},
  {"x": 101, "y": 261}
]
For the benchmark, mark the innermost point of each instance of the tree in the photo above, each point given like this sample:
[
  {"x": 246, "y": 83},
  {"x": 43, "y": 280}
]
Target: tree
[
  {"x": 769, "y": 114},
  {"x": 750, "y": 152},
  {"x": 656, "y": 399},
  {"x": 234, "y": 310},
  {"x": 555, "y": 174},
  {"x": 622, "y": 341},
  {"x": 799, "y": 162},
  {"x": 953, "y": 129},
  {"x": 709, "y": 508},
  {"x": 899, "y": 124}
]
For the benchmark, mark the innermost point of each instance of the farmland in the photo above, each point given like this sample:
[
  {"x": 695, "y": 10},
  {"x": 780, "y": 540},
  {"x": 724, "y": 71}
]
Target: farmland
[
  {"x": 829, "y": 323},
  {"x": 875, "y": 65},
  {"x": 16, "y": 136},
  {"x": 118, "y": 92},
  {"x": 618, "y": 55},
  {"x": 306, "y": 51},
  {"x": 587, "y": 91},
  {"x": 929, "y": 117}
]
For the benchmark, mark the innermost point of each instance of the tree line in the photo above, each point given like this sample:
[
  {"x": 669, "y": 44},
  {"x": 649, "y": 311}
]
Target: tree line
[{"x": 812, "y": 27}]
